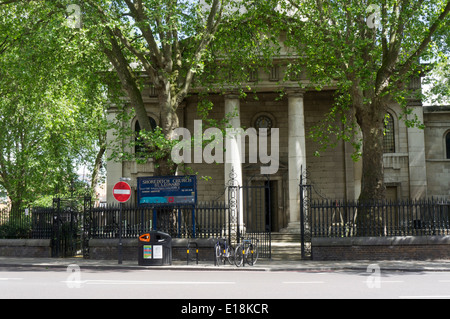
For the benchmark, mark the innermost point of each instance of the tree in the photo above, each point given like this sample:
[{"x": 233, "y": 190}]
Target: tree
[
  {"x": 52, "y": 101},
  {"x": 370, "y": 50},
  {"x": 166, "y": 41},
  {"x": 438, "y": 82}
]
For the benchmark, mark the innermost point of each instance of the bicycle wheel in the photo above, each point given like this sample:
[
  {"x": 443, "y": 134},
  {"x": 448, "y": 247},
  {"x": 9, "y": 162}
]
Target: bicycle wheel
[
  {"x": 218, "y": 254},
  {"x": 230, "y": 255},
  {"x": 252, "y": 255},
  {"x": 239, "y": 255}
]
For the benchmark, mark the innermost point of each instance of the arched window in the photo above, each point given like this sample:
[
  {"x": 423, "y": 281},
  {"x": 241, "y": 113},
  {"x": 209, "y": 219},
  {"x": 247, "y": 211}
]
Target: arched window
[
  {"x": 447, "y": 144},
  {"x": 137, "y": 128},
  {"x": 389, "y": 134}
]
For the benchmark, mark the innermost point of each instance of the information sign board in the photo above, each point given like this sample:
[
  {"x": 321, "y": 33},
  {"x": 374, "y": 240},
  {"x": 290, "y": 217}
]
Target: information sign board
[{"x": 171, "y": 190}]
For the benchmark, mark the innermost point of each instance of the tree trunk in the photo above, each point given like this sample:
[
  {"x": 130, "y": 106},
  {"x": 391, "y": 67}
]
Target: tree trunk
[
  {"x": 16, "y": 206},
  {"x": 127, "y": 79},
  {"x": 169, "y": 122},
  {"x": 373, "y": 191},
  {"x": 373, "y": 170},
  {"x": 371, "y": 122},
  {"x": 97, "y": 167}
]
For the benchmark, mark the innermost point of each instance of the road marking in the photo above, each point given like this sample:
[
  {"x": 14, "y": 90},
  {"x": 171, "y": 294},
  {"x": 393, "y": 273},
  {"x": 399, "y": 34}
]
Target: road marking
[
  {"x": 75, "y": 282},
  {"x": 387, "y": 281},
  {"x": 143, "y": 282},
  {"x": 303, "y": 282},
  {"x": 6, "y": 279},
  {"x": 424, "y": 297}
]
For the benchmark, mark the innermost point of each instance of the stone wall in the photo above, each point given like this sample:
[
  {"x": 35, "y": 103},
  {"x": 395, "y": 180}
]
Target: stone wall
[
  {"x": 107, "y": 249},
  {"x": 36, "y": 248},
  {"x": 381, "y": 248},
  {"x": 437, "y": 123},
  {"x": 103, "y": 249}
]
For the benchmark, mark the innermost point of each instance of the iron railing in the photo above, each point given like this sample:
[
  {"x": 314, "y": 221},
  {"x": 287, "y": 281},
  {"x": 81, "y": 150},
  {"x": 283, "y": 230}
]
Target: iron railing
[
  {"x": 204, "y": 220},
  {"x": 381, "y": 218},
  {"x": 36, "y": 223}
]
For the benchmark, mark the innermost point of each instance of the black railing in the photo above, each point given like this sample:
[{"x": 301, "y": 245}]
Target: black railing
[
  {"x": 36, "y": 223},
  {"x": 204, "y": 220},
  {"x": 385, "y": 218},
  {"x": 211, "y": 219}
]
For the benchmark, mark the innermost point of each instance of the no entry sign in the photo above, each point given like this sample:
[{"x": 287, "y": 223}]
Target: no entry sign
[{"x": 122, "y": 192}]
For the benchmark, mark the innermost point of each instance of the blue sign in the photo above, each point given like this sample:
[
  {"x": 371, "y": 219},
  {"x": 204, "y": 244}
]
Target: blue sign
[{"x": 171, "y": 190}]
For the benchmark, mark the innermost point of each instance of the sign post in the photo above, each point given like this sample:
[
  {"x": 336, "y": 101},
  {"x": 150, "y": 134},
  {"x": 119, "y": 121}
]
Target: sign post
[{"x": 122, "y": 193}]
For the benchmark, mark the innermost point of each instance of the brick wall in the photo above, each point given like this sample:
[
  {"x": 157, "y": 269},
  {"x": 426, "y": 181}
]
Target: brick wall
[
  {"x": 381, "y": 248},
  {"x": 107, "y": 249}
]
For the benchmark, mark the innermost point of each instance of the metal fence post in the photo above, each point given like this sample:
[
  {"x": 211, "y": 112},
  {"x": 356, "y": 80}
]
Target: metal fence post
[
  {"x": 120, "y": 235},
  {"x": 193, "y": 223}
]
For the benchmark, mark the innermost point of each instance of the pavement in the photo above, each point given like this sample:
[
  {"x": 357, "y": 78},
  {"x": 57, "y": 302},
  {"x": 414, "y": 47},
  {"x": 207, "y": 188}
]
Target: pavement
[{"x": 261, "y": 265}]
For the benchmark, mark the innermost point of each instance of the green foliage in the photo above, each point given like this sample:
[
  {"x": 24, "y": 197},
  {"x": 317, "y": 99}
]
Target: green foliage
[
  {"x": 340, "y": 45},
  {"x": 53, "y": 99},
  {"x": 438, "y": 82},
  {"x": 13, "y": 229},
  {"x": 178, "y": 46}
]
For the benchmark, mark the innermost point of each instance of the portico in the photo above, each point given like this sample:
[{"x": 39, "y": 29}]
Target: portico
[{"x": 296, "y": 151}]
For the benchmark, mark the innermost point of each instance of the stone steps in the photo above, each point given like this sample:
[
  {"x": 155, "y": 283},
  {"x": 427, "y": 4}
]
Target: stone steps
[{"x": 286, "y": 247}]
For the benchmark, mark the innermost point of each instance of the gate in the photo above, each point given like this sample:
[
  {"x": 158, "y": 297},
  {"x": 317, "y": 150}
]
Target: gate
[
  {"x": 305, "y": 215},
  {"x": 257, "y": 213},
  {"x": 66, "y": 239}
]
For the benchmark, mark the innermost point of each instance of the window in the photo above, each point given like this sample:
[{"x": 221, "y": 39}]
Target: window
[
  {"x": 137, "y": 128},
  {"x": 274, "y": 73},
  {"x": 447, "y": 144},
  {"x": 389, "y": 134}
]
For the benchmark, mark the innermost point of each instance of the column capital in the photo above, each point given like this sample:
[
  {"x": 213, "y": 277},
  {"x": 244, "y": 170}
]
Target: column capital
[
  {"x": 297, "y": 92},
  {"x": 231, "y": 95}
]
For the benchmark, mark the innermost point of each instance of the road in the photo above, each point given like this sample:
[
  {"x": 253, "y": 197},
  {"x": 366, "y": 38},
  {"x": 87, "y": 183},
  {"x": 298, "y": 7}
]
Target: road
[{"x": 77, "y": 283}]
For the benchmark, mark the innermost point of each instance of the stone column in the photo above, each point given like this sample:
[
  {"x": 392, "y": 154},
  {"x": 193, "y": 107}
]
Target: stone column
[
  {"x": 233, "y": 165},
  {"x": 296, "y": 156},
  {"x": 417, "y": 163}
]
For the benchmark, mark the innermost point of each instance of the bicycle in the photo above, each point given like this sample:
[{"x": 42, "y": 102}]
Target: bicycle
[
  {"x": 223, "y": 252},
  {"x": 247, "y": 251}
]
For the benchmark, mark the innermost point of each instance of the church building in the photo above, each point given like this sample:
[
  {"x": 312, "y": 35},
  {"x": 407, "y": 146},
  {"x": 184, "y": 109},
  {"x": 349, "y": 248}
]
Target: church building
[{"x": 416, "y": 161}]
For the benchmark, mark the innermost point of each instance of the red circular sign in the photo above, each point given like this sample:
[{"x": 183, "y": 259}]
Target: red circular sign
[{"x": 122, "y": 192}]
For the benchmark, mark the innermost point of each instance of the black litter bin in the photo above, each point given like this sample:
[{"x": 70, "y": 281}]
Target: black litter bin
[{"x": 155, "y": 249}]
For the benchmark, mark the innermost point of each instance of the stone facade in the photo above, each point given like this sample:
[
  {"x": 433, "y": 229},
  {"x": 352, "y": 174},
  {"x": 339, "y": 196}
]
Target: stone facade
[
  {"x": 416, "y": 167},
  {"x": 437, "y": 121}
]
